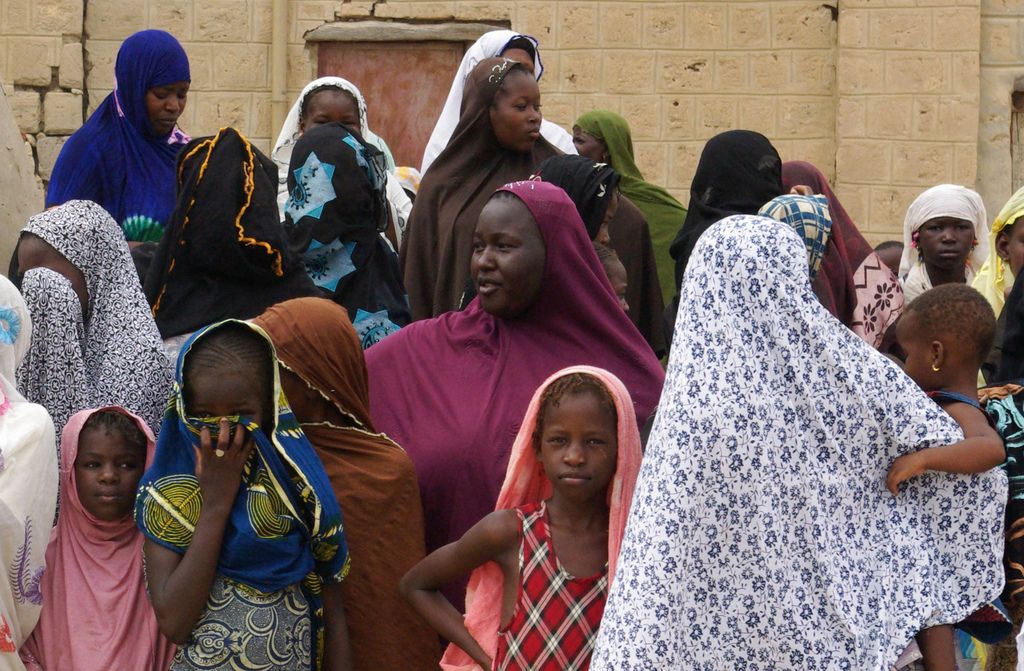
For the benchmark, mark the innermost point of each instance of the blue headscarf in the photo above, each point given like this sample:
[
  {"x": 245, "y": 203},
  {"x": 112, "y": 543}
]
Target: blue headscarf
[
  {"x": 285, "y": 527},
  {"x": 114, "y": 159}
]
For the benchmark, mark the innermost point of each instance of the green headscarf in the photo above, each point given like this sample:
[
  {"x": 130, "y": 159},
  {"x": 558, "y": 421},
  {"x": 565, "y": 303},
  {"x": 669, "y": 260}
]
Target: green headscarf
[{"x": 664, "y": 213}]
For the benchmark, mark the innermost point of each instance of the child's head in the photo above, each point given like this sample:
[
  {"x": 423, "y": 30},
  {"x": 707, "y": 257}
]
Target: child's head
[
  {"x": 229, "y": 371},
  {"x": 576, "y": 436},
  {"x": 615, "y": 271},
  {"x": 110, "y": 461},
  {"x": 890, "y": 253},
  {"x": 329, "y": 104},
  {"x": 946, "y": 332}
]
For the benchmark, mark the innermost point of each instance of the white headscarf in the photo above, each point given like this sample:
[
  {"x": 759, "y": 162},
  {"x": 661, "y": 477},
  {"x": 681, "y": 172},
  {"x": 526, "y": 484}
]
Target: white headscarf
[
  {"x": 114, "y": 354},
  {"x": 944, "y": 200},
  {"x": 28, "y": 485},
  {"x": 398, "y": 200},
  {"x": 489, "y": 45},
  {"x": 761, "y": 534}
]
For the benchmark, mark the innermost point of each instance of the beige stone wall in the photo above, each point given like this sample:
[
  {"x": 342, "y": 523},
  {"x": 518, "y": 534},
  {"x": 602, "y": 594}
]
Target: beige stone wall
[
  {"x": 1002, "y": 72},
  {"x": 883, "y": 95},
  {"x": 907, "y": 116}
]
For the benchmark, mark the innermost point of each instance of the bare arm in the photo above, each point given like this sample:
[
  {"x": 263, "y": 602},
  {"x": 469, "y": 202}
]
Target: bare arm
[
  {"x": 179, "y": 585},
  {"x": 337, "y": 649},
  {"x": 980, "y": 450},
  {"x": 494, "y": 538}
]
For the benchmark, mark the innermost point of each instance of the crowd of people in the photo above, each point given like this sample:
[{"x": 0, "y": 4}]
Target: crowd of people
[{"x": 515, "y": 408}]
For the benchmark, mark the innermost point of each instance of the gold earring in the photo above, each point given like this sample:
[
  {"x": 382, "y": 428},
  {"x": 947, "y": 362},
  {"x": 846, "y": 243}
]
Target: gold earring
[{"x": 936, "y": 368}]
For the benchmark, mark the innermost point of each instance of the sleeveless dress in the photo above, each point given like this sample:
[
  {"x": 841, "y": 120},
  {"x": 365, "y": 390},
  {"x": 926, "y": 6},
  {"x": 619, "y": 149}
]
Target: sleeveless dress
[{"x": 554, "y": 625}]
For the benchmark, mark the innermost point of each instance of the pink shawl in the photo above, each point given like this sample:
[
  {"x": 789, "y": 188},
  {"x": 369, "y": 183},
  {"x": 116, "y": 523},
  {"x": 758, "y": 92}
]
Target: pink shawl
[
  {"x": 525, "y": 482},
  {"x": 96, "y": 615}
]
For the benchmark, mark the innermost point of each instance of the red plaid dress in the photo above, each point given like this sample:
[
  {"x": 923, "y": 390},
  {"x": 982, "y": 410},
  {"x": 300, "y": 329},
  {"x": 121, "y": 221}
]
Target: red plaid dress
[{"x": 554, "y": 625}]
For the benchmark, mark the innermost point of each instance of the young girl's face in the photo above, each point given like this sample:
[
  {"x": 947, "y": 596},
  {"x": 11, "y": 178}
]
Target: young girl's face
[
  {"x": 225, "y": 393},
  {"x": 945, "y": 242},
  {"x": 107, "y": 471},
  {"x": 579, "y": 445}
]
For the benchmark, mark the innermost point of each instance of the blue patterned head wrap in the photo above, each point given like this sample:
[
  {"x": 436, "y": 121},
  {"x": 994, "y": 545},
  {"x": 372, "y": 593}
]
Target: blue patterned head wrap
[
  {"x": 285, "y": 527},
  {"x": 810, "y": 218}
]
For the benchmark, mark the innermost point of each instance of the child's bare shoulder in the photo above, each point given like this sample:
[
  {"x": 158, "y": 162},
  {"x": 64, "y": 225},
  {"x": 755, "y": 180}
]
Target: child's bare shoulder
[
  {"x": 972, "y": 419},
  {"x": 497, "y": 530}
]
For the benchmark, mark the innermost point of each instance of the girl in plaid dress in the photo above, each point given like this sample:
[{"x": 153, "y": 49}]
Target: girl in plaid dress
[{"x": 543, "y": 561}]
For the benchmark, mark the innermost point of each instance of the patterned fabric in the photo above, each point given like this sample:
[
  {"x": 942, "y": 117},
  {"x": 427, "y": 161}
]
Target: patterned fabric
[
  {"x": 334, "y": 217},
  {"x": 285, "y": 527},
  {"x": 853, "y": 283},
  {"x": 1005, "y": 405},
  {"x": 28, "y": 485},
  {"x": 112, "y": 355},
  {"x": 810, "y": 218},
  {"x": 115, "y": 159},
  {"x": 243, "y": 629},
  {"x": 557, "y": 615},
  {"x": 761, "y": 534}
]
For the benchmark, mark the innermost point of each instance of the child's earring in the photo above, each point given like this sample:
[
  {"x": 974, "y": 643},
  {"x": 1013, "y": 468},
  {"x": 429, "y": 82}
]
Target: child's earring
[
  {"x": 975, "y": 244},
  {"x": 936, "y": 367}
]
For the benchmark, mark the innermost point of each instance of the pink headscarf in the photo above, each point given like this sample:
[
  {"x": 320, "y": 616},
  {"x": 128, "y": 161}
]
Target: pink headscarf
[
  {"x": 526, "y": 482},
  {"x": 96, "y": 615}
]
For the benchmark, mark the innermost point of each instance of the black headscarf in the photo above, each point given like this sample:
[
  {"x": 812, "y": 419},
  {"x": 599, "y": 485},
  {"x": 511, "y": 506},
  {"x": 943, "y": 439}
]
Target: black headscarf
[
  {"x": 334, "y": 216},
  {"x": 739, "y": 171},
  {"x": 589, "y": 184},
  {"x": 1011, "y": 363},
  {"x": 225, "y": 253}
]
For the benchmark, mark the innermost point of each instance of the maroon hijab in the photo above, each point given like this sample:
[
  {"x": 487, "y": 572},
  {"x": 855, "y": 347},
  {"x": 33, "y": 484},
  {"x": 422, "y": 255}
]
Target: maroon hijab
[
  {"x": 453, "y": 390},
  {"x": 852, "y": 283}
]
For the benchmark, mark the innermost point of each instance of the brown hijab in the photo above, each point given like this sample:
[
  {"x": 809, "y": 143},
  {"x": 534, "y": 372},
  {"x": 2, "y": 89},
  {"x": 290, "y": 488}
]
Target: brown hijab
[
  {"x": 371, "y": 475},
  {"x": 438, "y": 244},
  {"x": 631, "y": 240}
]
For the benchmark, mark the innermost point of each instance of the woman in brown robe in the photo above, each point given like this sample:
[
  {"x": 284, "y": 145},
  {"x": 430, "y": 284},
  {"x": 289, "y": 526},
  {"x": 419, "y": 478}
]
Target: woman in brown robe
[
  {"x": 497, "y": 141},
  {"x": 323, "y": 374}
]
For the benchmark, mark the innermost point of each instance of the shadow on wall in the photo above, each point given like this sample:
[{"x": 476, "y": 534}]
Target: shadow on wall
[{"x": 22, "y": 193}]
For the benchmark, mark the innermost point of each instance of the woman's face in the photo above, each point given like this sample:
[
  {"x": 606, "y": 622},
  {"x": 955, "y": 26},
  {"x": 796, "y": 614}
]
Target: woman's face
[
  {"x": 507, "y": 265},
  {"x": 164, "y": 105},
  {"x": 1010, "y": 246},
  {"x": 945, "y": 242},
  {"x": 515, "y": 114},
  {"x": 34, "y": 252},
  {"x": 330, "y": 106},
  {"x": 589, "y": 146}
]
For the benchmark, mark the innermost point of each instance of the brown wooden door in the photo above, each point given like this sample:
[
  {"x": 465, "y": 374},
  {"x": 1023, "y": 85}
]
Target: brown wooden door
[{"x": 405, "y": 85}]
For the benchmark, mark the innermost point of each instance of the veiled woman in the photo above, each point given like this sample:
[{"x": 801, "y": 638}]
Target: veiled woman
[{"x": 496, "y": 141}]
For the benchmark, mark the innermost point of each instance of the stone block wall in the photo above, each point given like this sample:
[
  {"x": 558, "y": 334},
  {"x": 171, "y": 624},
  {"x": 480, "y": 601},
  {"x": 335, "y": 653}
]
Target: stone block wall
[
  {"x": 883, "y": 95},
  {"x": 42, "y": 72},
  {"x": 907, "y": 110},
  {"x": 1002, "y": 73}
]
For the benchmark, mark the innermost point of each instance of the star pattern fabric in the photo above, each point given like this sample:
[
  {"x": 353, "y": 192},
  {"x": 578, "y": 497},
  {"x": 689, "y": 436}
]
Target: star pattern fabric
[
  {"x": 327, "y": 264},
  {"x": 313, "y": 188}
]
